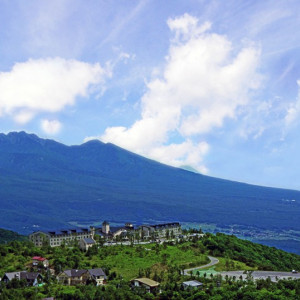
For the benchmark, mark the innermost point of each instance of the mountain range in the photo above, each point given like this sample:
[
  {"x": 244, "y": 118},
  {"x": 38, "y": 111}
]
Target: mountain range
[{"x": 45, "y": 184}]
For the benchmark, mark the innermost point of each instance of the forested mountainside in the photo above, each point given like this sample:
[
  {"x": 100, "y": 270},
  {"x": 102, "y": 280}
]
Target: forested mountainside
[
  {"x": 8, "y": 236},
  {"x": 45, "y": 184}
]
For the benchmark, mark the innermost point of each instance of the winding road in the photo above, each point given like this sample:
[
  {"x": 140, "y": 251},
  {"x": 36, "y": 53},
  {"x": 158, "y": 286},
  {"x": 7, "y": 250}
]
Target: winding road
[
  {"x": 213, "y": 261},
  {"x": 274, "y": 276}
]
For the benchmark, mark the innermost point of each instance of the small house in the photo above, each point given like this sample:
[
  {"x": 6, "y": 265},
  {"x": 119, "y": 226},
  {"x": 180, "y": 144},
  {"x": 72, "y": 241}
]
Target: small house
[
  {"x": 36, "y": 260},
  {"x": 86, "y": 243},
  {"x": 192, "y": 284},
  {"x": 150, "y": 285},
  {"x": 98, "y": 276},
  {"x": 32, "y": 278},
  {"x": 74, "y": 277}
]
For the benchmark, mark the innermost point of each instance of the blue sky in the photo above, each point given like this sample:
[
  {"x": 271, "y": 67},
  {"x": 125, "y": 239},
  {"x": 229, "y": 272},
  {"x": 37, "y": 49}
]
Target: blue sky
[{"x": 214, "y": 85}]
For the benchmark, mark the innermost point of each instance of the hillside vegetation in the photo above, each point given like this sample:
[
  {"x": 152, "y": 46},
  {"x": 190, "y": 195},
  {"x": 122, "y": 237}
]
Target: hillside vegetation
[
  {"x": 254, "y": 255},
  {"x": 131, "y": 261},
  {"x": 8, "y": 236},
  {"x": 163, "y": 263}
]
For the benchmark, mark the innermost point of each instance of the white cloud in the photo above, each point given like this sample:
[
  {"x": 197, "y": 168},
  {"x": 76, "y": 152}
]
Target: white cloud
[
  {"x": 187, "y": 27},
  {"x": 204, "y": 81},
  {"x": 187, "y": 152},
  {"x": 46, "y": 85},
  {"x": 23, "y": 116},
  {"x": 51, "y": 127},
  {"x": 293, "y": 111}
]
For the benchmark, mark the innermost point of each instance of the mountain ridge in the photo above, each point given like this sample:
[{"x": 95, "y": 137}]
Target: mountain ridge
[{"x": 49, "y": 184}]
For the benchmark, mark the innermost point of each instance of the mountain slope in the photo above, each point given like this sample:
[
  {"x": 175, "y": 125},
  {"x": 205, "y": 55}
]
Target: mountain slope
[
  {"x": 8, "y": 236},
  {"x": 48, "y": 184}
]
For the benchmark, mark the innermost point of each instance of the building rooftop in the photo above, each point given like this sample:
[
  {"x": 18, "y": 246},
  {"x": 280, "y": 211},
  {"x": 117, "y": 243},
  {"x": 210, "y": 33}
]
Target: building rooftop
[
  {"x": 74, "y": 272},
  {"x": 39, "y": 258},
  {"x": 174, "y": 224},
  {"x": 12, "y": 275},
  {"x": 68, "y": 231},
  {"x": 112, "y": 230},
  {"x": 193, "y": 283},
  {"x": 161, "y": 226},
  {"x": 89, "y": 241},
  {"x": 22, "y": 275},
  {"x": 97, "y": 272},
  {"x": 29, "y": 275},
  {"x": 147, "y": 281}
]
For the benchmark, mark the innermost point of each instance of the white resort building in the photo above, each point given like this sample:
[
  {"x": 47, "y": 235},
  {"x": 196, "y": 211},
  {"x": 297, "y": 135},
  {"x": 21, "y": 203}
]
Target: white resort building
[
  {"x": 85, "y": 237},
  {"x": 57, "y": 238},
  {"x": 166, "y": 230}
]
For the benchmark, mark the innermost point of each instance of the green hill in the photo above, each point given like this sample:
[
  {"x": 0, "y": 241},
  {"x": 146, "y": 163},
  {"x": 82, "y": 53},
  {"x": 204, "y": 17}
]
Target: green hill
[
  {"x": 161, "y": 262},
  {"x": 8, "y": 236},
  {"x": 129, "y": 260}
]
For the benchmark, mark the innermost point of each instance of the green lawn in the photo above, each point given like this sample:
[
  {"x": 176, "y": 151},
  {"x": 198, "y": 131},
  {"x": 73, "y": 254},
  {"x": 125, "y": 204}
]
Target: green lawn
[
  {"x": 224, "y": 264},
  {"x": 127, "y": 261},
  {"x": 227, "y": 264}
]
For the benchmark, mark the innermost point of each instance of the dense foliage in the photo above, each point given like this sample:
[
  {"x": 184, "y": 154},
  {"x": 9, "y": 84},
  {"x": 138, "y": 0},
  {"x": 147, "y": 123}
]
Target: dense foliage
[
  {"x": 129, "y": 261},
  {"x": 254, "y": 255},
  {"x": 8, "y": 236}
]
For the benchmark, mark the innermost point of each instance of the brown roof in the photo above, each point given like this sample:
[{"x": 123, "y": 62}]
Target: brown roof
[{"x": 147, "y": 281}]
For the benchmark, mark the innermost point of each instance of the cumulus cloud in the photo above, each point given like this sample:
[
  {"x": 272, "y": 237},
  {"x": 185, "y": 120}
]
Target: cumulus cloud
[
  {"x": 23, "y": 116},
  {"x": 204, "y": 81},
  {"x": 187, "y": 152},
  {"x": 186, "y": 27},
  {"x": 51, "y": 127},
  {"x": 46, "y": 85}
]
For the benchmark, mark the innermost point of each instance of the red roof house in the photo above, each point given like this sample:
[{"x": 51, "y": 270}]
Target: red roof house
[{"x": 38, "y": 259}]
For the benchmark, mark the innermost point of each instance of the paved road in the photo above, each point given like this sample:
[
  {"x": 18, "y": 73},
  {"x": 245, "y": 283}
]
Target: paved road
[
  {"x": 274, "y": 276},
  {"x": 126, "y": 243},
  {"x": 213, "y": 261}
]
